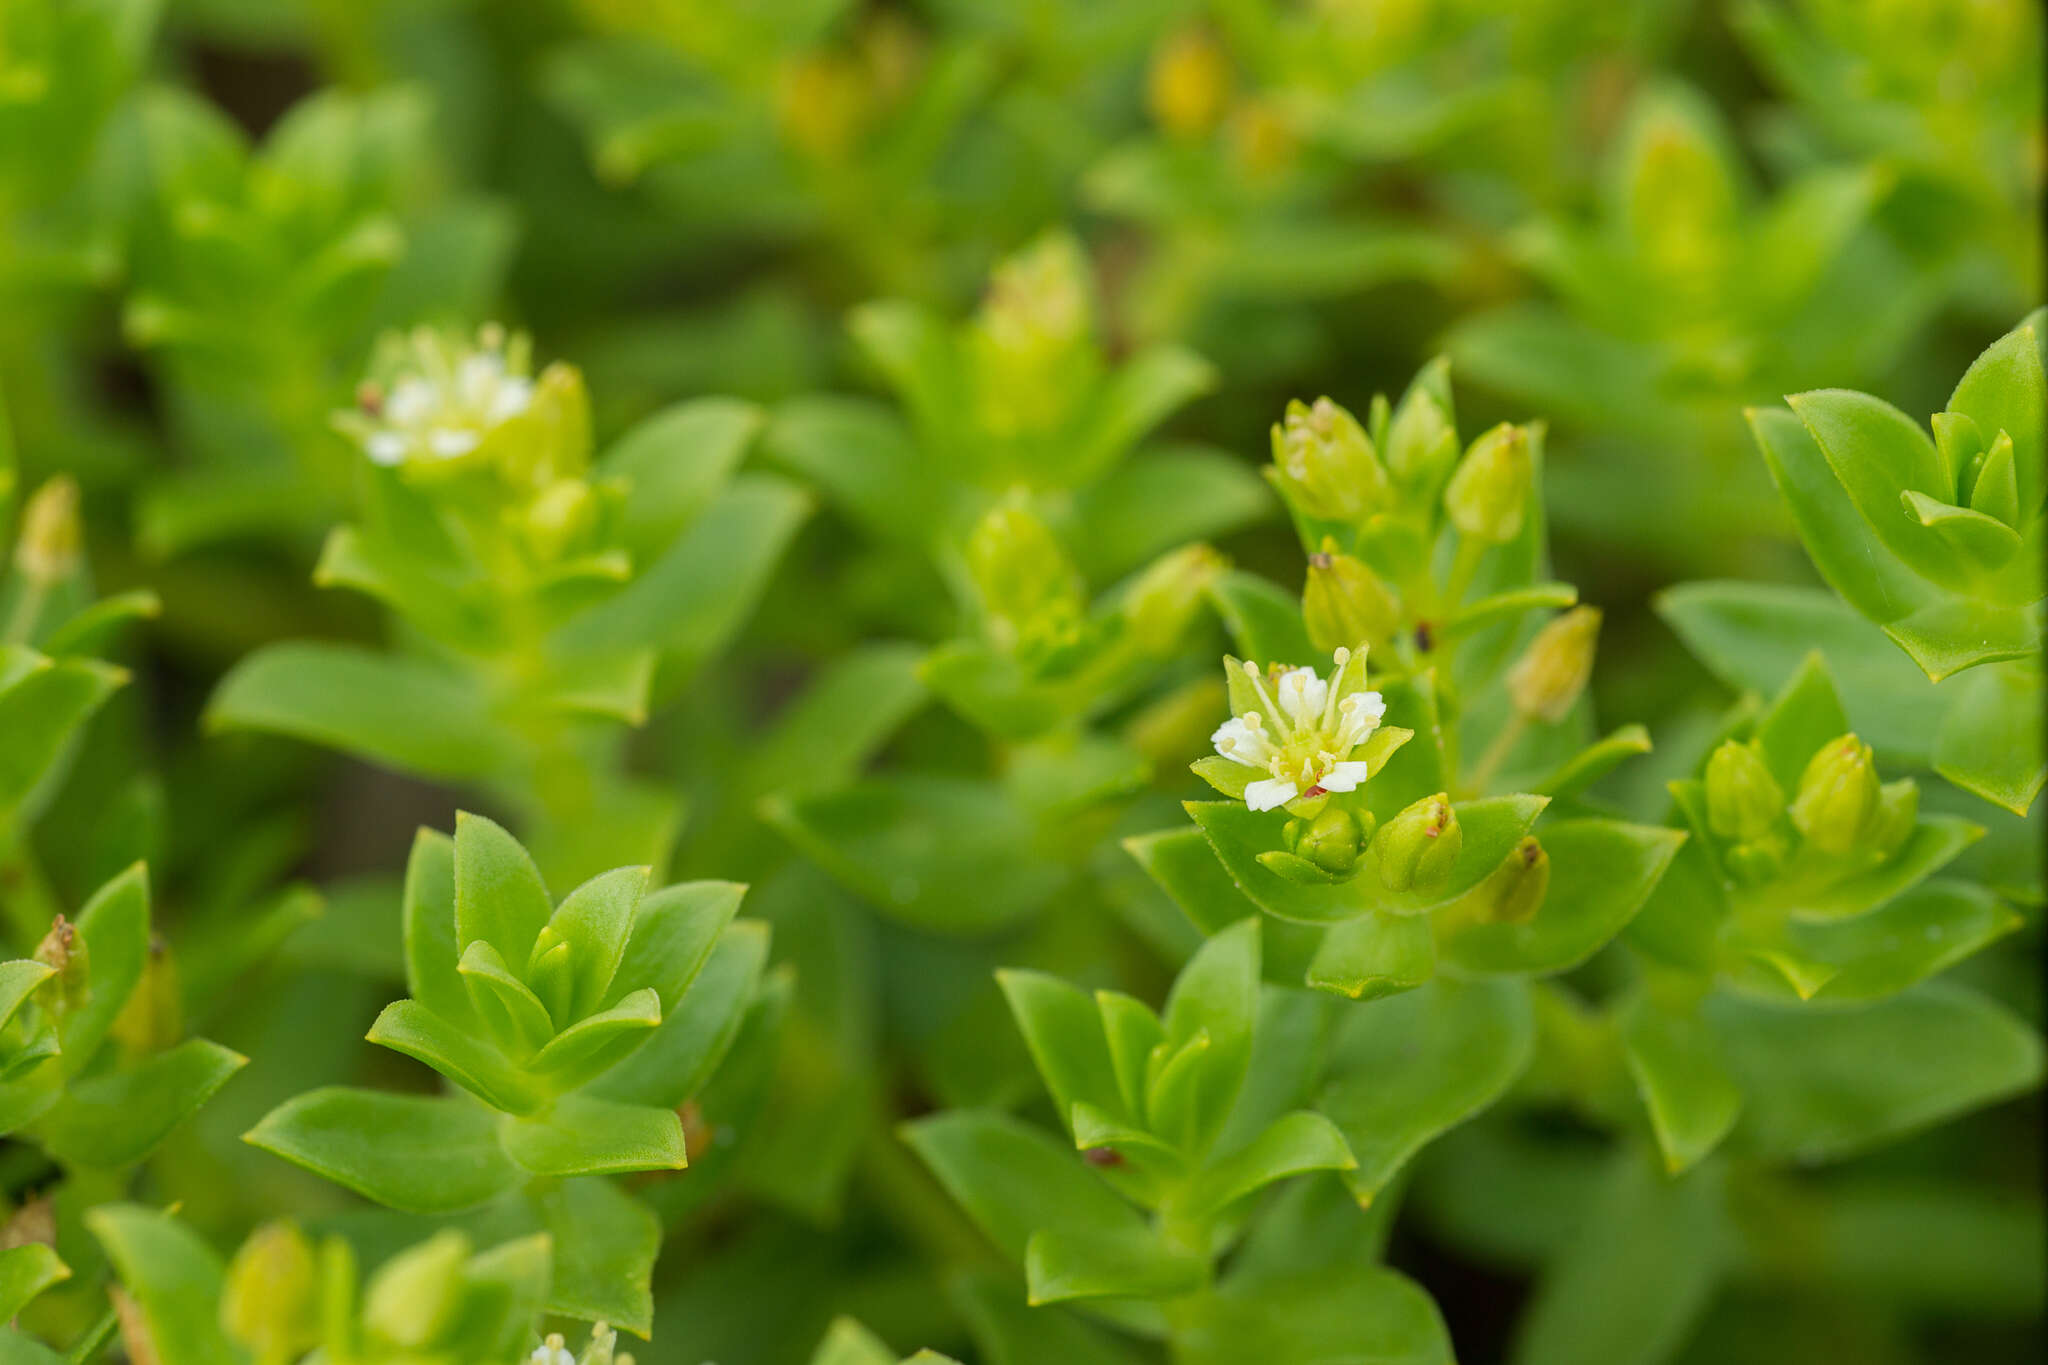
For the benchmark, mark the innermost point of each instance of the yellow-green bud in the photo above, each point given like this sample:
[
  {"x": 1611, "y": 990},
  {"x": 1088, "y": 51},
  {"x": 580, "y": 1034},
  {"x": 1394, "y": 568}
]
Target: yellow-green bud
[
  {"x": 268, "y": 1303},
  {"x": 413, "y": 1298},
  {"x": 1344, "y": 602},
  {"x": 1032, "y": 340},
  {"x": 1166, "y": 596},
  {"x": 1838, "y": 795},
  {"x": 1332, "y": 840},
  {"x": 1743, "y": 799},
  {"x": 1545, "y": 682},
  {"x": 1489, "y": 493},
  {"x": 1326, "y": 460},
  {"x": 1188, "y": 86},
  {"x": 48, "y": 550},
  {"x": 1019, "y": 569},
  {"x": 1517, "y": 887},
  {"x": 1898, "y": 809},
  {"x": 1421, "y": 443},
  {"x": 1418, "y": 847}
]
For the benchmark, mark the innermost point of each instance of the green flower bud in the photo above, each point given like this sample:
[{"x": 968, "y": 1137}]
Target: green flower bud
[
  {"x": 1033, "y": 340},
  {"x": 563, "y": 514},
  {"x": 1757, "y": 861},
  {"x": 1019, "y": 569},
  {"x": 1517, "y": 887},
  {"x": 1898, "y": 810},
  {"x": 1167, "y": 595},
  {"x": 1743, "y": 799},
  {"x": 1327, "y": 464},
  {"x": 1332, "y": 840},
  {"x": 268, "y": 1302},
  {"x": 1422, "y": 443},
  {"x": 1344, "y": 603},
  {"x": 48, "y": 551},
  {"x": 1419, "y": 846},
  {"x": 1545, "y": 682},
  {"x": 1838, "y": 795},
  {"x": 1489, "y": 494},
  {"x": 414, "y": 1297}
]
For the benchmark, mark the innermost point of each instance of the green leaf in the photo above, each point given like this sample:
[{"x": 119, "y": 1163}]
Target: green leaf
[
  {"x": 1186, "y": 868},
  {"x": 1414, "y": 1065},
  {"x": 690, "y": 601},
  {"x": 1063, "y": 1029},
  {"x": 174, "y": 1277},
  {"x": 115, "y": 1119},
  {"x": 1806, "y": 715},
  {"x": 582, "y": 1135},
  {"x": 859, "y": 453},
  {"x": 1984, "y": 543},
  {"x": 1877, "y": 453},
  {"x": 595, "y": 920},
  {"x": 18, "y": 981},
  {"x": 1602, "y": 873},
  {"x": 1127, "y": 1263},
  {"x": 1332, "y": 1315},
  {"x": 402, "y": 713},
  {"x": 939, "y": 853},
  {"x": 1990, "y": 741},
  {"x": 1160, "y": 499},
  {"x": 410, "y": 1027},
  {"x": 26, "y": 1271},
  {"x": 1014, "y": 1181},
  {"x": 1934, "y": 843},
  {"x": 1492, "y": 826},
  {"x": 1910, "y": 938},
  {"x": 115, "y": 927},
  {"x": 42, "y": 703},
  {"x": 1263, "y": 619},
  {"x": 843, "y": 716},
  {"x": 1131, "y": 1031},
  {"x": 1594, "y": 762},
  {"x": 1291, "y": 1145},
  {"x": 431, "y": 949},
  {"x": 1638, "y": 1274},
  {"x": 678, "y": 1058},
  {"x": 410, "y": 1152},
  {"x": 1819, "y": 1085},
  {"x": 499, "y": 896},
  {"x": 1144, "y": 391},
  {"x": 848, "y": 1343},
  {"x": 511, "y": 1013},
  {"x": 675, "y": 462},
  {"x": 1217, "y": 996},
  {"x": 591, "y": 1044},
  {"x": 2005, "y": 390},
  {"x": 1011, "y": 1332},
  {"x": 1677, "y": 1068},
  {"x": 604, "y": 1244},
  {"x": 1374, "y": 955}
]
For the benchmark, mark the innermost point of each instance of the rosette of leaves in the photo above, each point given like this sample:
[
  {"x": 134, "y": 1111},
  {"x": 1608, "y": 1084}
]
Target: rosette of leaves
[
  {"x": 1938, "y": 541},
  {"x": 1177, "y": 1120},
  {"x": 1964, "y": 147},
  {"x": 258, "y": 277},
  {"x": 1053, "y": 562},
  {"x": 94, "y": 1067},
  {"x": 573, "y": 1032},
  {"x": 544, "y": 600},
  {"x": 1788, "y": 999}
]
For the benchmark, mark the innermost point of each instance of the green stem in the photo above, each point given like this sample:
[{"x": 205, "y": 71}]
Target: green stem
[
  {"x": 1470, "y": 551},
  {"x": 95, "y": 1340},
  {"x": 1496, "y": 753}
]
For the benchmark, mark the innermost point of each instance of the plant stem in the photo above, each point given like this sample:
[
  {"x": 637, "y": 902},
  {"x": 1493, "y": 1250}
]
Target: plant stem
[{"x": 1496, "y": 753}]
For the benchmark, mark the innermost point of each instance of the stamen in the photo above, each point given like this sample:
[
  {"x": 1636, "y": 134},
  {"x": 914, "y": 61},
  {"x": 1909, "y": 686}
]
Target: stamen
[{"x": 1266, "y": 698}]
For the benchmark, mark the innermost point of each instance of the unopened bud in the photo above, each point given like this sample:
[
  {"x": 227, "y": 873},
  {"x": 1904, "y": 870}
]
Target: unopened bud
[
  {"x": 48, "y": 550},
  {"x": 63, "y": 948},
  {"x": 1898, "y": 810},
  {"x": 1167, "y": 595},
  {"x": 1332, "y": 840},
  {"x": 1743, "y": 799},
  {"x": 1489, "y": 494},
  {"x": 1344, "y": 603},
  {"x": 1033, "y": 339},
  {"x": 1019, "y": 569},
  {"x": 1421, "y": 443},
  {"x": 1517, "y": 887},
  {"x": 1418, "y": 847},
  {"x": 559, "y": 517},
  {"x": 1838, "y": 795},
  {"x": 1757, "y": 861},
  {"x": 1189, "y": 83},
  {"x": 1546, "y": 681},
  {"x": 602, "y": 1346},
  {"x": 1327, "y": 462},
  {"x": 269, "y": 1300},
  {"x": 413, "y": 1298}
]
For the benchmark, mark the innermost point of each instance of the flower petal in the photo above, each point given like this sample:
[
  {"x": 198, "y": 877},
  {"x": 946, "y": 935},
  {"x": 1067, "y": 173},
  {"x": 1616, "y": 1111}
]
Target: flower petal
[
  {"x": 1345, "y": 777},
  {"x": 1270, "y": 792}
]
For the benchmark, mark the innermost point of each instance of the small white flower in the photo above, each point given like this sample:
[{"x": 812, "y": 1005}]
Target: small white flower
[
  {"x": 552, "y": 1351},
  {"x": 1316, "y": 723},
  {"x": 442, "y": 398}
]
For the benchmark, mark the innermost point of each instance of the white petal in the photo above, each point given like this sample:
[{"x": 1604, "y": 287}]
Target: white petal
[
  {"x": 411, "y": 402},
  {"x": 511, "y": 399},
  {"x": 1344, "y": 777},
  {"x": 1240, "y": 743},
  {"x": 1301, "y": 695},
  {"x": 386, "y": 447},
  {"x": 477, "y": 376},
  {"x": 1270, "y": 792},
  {"x": 448, "y": 442}
]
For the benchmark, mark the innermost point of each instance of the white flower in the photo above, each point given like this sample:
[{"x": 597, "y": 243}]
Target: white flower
[
  {"x": 442, "y": 399},
  {"x": 1315, "y": 726},
  {"x": 552, "y": 1351}
]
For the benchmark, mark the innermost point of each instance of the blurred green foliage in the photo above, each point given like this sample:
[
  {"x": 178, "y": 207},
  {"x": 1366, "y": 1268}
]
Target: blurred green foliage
[{"x": 793, "y": 469}]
